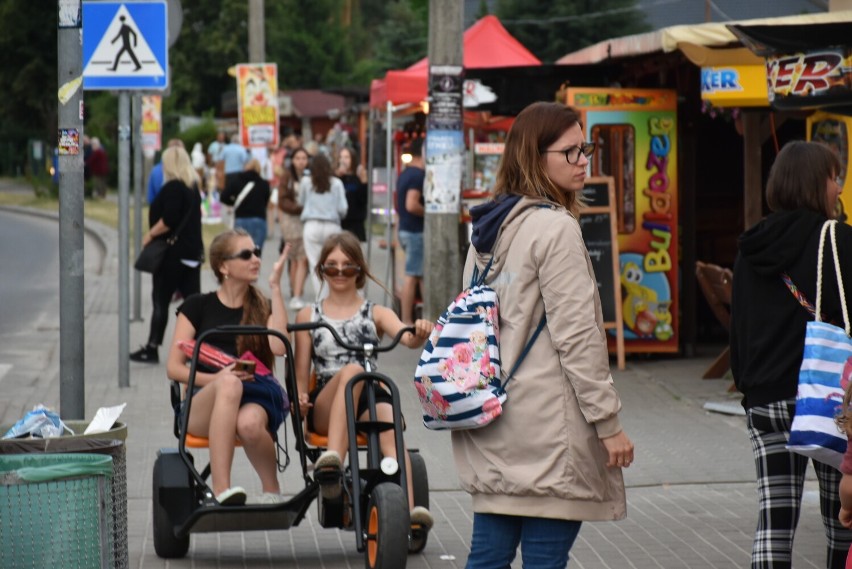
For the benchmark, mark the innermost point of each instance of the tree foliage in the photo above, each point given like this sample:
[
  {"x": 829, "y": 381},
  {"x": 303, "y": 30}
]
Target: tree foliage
[
  {"x": 28, "y": 69},
  {"x": 553, "y": 28},
  {"x": 309, "y": 43},
  {"x": 317, "y": 44}
]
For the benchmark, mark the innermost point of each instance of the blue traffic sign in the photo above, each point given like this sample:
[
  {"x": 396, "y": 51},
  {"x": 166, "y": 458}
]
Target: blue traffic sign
[{"x": 125, "y": 46}]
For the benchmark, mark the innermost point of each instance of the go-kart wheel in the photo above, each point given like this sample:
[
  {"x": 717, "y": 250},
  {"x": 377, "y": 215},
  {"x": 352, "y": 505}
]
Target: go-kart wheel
[
  {"x": 387, "y": 527},
  {"x": 166, "y": 544},
  {"x": 420, "y": 482}
]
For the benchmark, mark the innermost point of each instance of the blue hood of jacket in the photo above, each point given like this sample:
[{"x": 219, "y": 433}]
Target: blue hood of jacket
[{"x": 487, "y": 219}]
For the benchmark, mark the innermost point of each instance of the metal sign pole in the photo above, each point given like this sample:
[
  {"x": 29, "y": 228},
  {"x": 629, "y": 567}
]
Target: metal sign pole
[
  {"x": 123, "y": 239},
  {"x": 137, "y": 203},
  {"x": 391, "y": 273}
]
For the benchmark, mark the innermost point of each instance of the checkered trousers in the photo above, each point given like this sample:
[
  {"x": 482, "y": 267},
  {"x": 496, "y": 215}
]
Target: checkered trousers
[{"x": 780, "y": 482}]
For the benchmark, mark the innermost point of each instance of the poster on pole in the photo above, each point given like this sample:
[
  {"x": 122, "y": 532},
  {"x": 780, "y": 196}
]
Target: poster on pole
[
  {"x": 152, "y": 124},
  {"x": 257, "y": 96},
  {"x": 444, "y": 140}
]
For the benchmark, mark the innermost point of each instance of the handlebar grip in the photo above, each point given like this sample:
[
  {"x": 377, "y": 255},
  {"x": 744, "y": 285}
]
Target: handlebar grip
[
  {"x": 242, "y": 328},
  {"x": 304, "y": 326}
]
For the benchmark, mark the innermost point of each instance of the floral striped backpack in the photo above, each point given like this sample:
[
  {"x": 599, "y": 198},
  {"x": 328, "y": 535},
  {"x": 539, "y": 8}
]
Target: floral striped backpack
[{"x": 458, "y": 375}]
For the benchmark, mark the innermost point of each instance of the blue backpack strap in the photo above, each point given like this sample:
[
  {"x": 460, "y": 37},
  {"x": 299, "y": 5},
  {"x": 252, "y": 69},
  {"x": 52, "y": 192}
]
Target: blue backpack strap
[
  {"x": 478, "y": 278},
  {"x": 526, "y": 351}
]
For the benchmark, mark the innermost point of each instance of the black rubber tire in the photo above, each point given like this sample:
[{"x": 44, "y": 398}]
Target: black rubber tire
[
  {"x": 419, "y": 479},
  {"x": 420, "y": 483},
  {"x": 166, "y": 545},
  {"x": 387, "y": 525}
]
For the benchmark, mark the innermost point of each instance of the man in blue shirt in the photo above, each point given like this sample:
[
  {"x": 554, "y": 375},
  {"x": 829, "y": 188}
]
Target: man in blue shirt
[
  {"x": 409, "y": 208},
  {"x": 234, "y": 158}
]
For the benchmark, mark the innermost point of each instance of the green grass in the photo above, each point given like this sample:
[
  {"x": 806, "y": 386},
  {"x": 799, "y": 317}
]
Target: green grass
[{"x": 103, "y": 211}]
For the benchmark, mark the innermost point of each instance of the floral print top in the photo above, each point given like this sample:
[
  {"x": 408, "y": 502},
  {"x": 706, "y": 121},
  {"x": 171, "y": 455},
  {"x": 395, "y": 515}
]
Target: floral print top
[{"x": 328, "y": 356}]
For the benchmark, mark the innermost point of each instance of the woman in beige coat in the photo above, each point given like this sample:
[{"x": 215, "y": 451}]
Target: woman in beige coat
[{"x": 554, "y": 458}]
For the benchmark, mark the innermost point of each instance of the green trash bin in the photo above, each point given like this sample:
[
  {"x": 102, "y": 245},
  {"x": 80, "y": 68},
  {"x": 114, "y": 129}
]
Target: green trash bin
[
  {"x": 110, "y": 443},
  {"x": 56, "y": 510}
]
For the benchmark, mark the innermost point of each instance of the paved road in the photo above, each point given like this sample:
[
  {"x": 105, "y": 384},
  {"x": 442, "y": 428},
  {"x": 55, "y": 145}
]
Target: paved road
[{"x": 691, "y": 497}]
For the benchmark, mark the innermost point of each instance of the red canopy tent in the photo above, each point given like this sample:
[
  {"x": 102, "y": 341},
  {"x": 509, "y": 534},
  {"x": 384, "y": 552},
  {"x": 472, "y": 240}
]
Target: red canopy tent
[{"x": 486, "y": 44}]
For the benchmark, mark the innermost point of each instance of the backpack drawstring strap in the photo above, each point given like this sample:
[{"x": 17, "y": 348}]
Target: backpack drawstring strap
[
  {"x": 477, "y": 278},
  {"x": 524, "y": 353}
]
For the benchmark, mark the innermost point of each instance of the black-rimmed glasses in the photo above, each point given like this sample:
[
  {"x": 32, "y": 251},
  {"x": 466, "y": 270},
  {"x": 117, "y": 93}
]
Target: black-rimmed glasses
[
  {"x": 347, "y": 271},
  {"x": 572, "y": 155},
  {"x": 245, "y": 254}
]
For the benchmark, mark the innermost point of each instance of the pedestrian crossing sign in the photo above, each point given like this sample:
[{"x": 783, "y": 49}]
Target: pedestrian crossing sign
[{"x": 125, "y": 46}]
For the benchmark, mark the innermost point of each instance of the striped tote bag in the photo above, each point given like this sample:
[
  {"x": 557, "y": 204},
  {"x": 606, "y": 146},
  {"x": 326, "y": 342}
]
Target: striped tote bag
[{"x": 828, "y": 348}]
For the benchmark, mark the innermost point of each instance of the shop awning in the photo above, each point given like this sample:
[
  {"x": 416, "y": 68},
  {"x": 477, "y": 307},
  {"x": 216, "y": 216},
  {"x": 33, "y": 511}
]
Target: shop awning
[
  {"x": 807, "y": 66},
  {"x": 487, "y": 44},
  {"x": 714, "y": 34}
]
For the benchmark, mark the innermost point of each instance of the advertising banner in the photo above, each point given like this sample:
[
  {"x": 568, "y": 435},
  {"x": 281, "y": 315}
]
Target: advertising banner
[
  {"x": 257, "y": 97},
  {"x": 833, "y": 131},
  {"x": 636, "y": 135},
  {"x": 445, "y": 148},
  {"x": 152, "y": 124},
  {"x": 734, "y": 86},
  {"x": 810, "y": 79}
]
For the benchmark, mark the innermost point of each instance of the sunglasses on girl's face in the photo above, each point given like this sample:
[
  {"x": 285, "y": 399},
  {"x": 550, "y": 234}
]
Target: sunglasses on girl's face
[
  {"x": 347, "y": 270},
  {"x": 245, "y": 254}
]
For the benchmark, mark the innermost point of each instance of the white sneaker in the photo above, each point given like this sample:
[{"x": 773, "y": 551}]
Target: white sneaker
[
  {"x": 270, "y": 498},
  {"x": 234, "y": 496},
  {"x": 296, "y": 303}
]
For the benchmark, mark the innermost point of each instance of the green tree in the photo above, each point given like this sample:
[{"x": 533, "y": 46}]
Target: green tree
[
  {"x": 28, "y": 107},
  {"x": 309, "y": 43},
  {"x": 404, "y": 36},
  {"x": 213, "y": 38},
  {"x": 553, "y": 28}
]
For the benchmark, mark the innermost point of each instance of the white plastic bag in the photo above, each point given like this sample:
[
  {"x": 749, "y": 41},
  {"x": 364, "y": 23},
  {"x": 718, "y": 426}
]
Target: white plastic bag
[{"x": 40, "y": 422}]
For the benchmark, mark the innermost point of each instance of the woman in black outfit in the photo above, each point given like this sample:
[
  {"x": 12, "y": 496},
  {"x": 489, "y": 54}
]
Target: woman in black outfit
[
  {"x": 176, "y": 209},
  {"x": 768, "y": 336},
  {"x": 354, "y": 178}
]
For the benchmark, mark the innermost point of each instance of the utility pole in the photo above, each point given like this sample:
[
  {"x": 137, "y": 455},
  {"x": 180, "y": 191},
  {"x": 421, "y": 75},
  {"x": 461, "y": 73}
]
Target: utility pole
[
  {"x": 442, "y": 265},
  {"x": 69, "y": 47},
  {"x": 256, "y": 32}
]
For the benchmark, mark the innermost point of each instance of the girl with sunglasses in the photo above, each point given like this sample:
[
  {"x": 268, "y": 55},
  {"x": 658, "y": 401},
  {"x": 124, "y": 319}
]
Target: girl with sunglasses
[
  {"x": 221, "y": 409},
  {"x": 344, "y": 270}
]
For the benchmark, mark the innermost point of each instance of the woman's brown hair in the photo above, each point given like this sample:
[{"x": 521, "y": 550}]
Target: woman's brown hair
[
  {"x": 353, "y": 159},
  {"x": 321, "y": 173},
  {"x": 798, "y": 179},
  {"x": 256, "y": 309},
  {"x": 521, "y": 170},
  {"x": 351, "y": 247}
]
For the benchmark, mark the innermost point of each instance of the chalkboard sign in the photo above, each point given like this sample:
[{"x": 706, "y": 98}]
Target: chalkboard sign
[
  {"x": 596, "y": 193},
  {"x": 598, "y": 224},
  {"x": 598, "y": 239}
]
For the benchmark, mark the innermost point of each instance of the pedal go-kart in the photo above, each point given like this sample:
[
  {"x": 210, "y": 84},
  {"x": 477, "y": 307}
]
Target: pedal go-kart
[{"x": 374, "y": 501}]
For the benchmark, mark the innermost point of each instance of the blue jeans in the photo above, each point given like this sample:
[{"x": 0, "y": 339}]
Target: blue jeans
[
  {"x": 254, "y": 226},
  {"x": 545, "y": 542}
]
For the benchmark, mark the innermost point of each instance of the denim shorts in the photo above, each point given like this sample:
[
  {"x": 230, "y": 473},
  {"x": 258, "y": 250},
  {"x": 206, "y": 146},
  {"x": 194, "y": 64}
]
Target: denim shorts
[
  {"x": 264, "y": 391},
  {"x": 412, "y": 244},
  {"x": 254, "y": 226}
]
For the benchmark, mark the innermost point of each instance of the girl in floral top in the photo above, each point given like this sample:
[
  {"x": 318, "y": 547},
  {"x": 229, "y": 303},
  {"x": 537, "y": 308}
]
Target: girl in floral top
[{"x": 343, "y": 268}]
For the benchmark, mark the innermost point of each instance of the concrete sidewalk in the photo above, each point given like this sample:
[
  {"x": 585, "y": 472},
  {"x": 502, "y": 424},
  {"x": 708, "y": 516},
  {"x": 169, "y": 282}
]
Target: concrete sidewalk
[{"x": 692, "y": 499}]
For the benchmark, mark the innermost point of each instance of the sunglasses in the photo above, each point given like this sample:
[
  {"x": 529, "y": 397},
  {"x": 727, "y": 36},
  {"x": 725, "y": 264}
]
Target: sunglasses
[
  {"x": 572, "y": 155},
  {"x": 347, "y": 270},
  {"x": 245, "y": 254}
]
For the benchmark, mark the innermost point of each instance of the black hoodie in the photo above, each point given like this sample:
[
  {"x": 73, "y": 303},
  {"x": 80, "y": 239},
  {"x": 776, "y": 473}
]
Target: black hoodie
[{"x": 767, "y": 322}]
